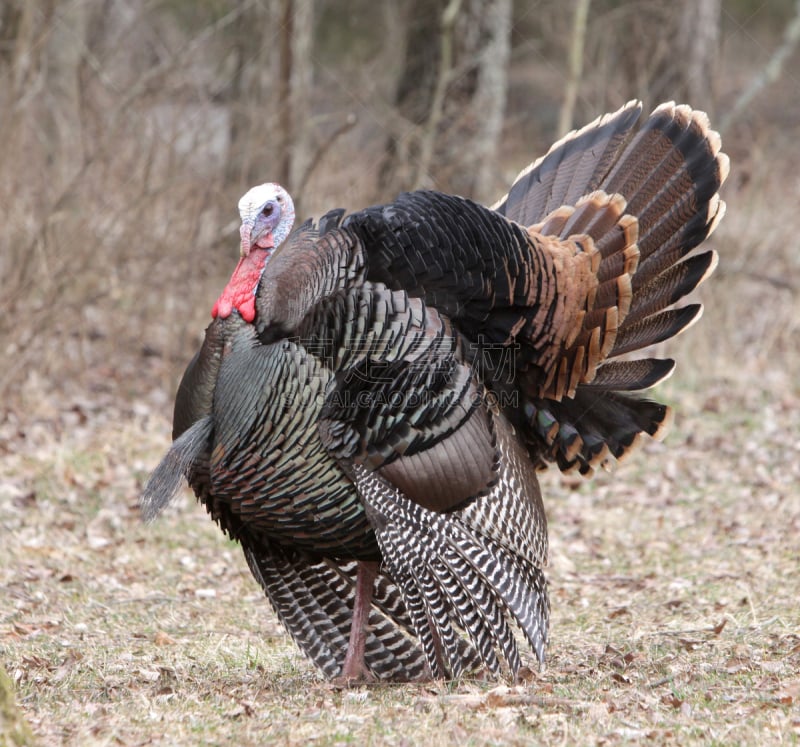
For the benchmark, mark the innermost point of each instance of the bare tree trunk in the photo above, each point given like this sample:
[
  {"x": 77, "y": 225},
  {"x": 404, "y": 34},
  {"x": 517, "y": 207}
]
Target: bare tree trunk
[
  {"x": 294, "y": 93},
  {"x": 700, "y": 30},
  {"x": 250, "y": 89},
  {"x": 451, "y": 96},
  {"x": 429, "y": 133},
  {"x": 284, "y": 91},
  {"x": 22, "y": 23},
  {"x": 301, "y": 82},
  {"x": 414, "y": 92},
  {"x": 575, "y": 66},
  {"x": 490, "y": 97},
  {"x": 61, "y": 119},
  {"x": 271, "y": 123}
]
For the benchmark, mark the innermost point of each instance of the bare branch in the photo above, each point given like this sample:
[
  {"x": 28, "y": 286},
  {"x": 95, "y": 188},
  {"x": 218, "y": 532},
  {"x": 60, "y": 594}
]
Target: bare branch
[
  {"x": 577, "y": 41},
  {"x": 323, "y": 148},
  {"x": 448, "y": 21},
  {"x": 771, "y": 72}
]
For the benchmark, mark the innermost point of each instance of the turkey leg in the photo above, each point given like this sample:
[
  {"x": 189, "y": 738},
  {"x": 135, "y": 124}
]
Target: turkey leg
[{"x": 354, "y": 667}]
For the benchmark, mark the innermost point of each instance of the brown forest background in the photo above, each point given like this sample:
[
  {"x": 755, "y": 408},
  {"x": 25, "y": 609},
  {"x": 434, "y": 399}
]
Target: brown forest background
[{"x": 130, "y": 129}]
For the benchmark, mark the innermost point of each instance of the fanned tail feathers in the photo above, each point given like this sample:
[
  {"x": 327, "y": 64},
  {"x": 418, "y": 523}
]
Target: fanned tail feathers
[
  {"x": 573, "y": 167},
  {"x": 605, "y": 239},
  {"x": 657, "y": 188}
]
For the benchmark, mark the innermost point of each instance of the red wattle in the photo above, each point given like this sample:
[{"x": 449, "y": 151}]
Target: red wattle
[{"x": 239, "y": 293}]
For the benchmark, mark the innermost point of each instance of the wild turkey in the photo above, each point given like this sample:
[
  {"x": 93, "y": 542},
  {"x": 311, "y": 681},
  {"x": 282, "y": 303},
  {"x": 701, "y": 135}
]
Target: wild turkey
[{"x": 373, "y": 396}]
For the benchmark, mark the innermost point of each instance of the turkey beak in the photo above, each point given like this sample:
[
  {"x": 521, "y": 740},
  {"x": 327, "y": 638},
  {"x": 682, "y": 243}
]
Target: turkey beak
[
  {"x": 261, "y": 235},
  {"x": 245, "y": 232},
  {"x": 255, "y": 233}
]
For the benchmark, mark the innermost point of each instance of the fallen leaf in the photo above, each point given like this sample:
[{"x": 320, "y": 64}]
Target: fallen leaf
[{"x": 672, "y": 701}]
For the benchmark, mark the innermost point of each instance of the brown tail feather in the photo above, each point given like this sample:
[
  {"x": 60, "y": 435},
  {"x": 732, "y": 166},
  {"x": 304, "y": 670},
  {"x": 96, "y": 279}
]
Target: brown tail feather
[
  {"x": 632, "y": 375},
  {"x": 670, "y": 174},
  {"x": 656, "y": 328},
  {"x": 696, "y": 230},
  {"x": 672, "y": 285},
  {"x": 572, "y": 168},
  {"x": 597, "y": 219},
  {"x": 585, "y": 432},
  {"x": 664, "y": 181}
]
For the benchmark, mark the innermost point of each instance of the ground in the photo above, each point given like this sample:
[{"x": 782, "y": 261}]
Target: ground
[{"x": 674, "y": 590}]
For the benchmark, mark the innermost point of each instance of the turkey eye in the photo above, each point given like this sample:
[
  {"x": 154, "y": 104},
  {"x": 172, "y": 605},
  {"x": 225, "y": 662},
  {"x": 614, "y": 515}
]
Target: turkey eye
[{"x": 268, "y": 208}]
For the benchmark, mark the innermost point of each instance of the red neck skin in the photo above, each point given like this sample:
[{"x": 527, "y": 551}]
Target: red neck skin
[{"x": 239, "y": 293}]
